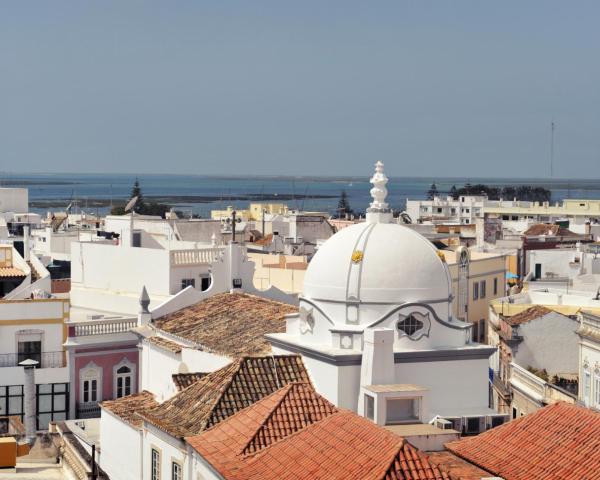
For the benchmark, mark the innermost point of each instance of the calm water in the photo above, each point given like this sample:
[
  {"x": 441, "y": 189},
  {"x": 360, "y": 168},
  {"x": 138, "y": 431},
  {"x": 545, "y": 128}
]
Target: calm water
[{"x": 99, "y": 186}]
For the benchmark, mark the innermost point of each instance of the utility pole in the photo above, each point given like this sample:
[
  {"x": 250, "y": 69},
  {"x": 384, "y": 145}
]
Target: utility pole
[{"x": 552, "y": 149}]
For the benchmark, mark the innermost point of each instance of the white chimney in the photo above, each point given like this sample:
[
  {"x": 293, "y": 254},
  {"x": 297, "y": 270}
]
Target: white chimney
[
  {"x": 29, "y": 398},
  {"x": 26, "y": 246},
  {"x": 377, "y": 366}
]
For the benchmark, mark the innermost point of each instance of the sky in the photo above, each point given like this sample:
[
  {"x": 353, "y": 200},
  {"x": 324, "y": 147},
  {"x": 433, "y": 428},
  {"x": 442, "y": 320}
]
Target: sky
[{"x": 436, "y": 89}]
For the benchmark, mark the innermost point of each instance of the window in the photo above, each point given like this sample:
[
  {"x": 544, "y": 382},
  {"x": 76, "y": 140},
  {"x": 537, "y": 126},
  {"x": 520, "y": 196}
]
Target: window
[
  {"x": 137, "y": 239},
  {"x": 453, "y": 211},
  {"x": 30, "y": 350},
  {"x": 91, "y": 383},
  {"x": 475, "y": 331},
  {"x": 505, "y": 217},
  {"x": 514, "y": 413},
  {"x": 439, "y": 210},
  {"x": 399, "y": 410},
  {"x": 586, "y": 385},
  {"x": 475, "y": 290},
  {"x": 155, "y": 464},
  {"x": 482, "y": 289},
  {"x": 597, "y": 387},
  {"x": 11, "y": 400},
  {"x": 188, "y": 282},
  {"x": 176, "y": 473},
  {"x": 369, "y": 407},
  {"x": 90, "y": 391},
  {"x": 410, "y": 325},
  {"x": 123, "y": 378},
  {"x": 495, "y": 286},
  {"x": 481, "y": 330},
  {"x": 205, "y": 283},
  {"x": 123, "y": 382},
  {"x": 52, "y": 403}
]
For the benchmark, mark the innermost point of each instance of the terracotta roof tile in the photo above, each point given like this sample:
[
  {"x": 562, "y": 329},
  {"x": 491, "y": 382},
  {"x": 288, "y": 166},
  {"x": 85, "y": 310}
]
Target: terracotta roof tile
[
  {"x": 127, "y": 407},
  {"x": 560, "y": 441},
  {"x": 184, "y": 380},
  {"x": 525, "y": 316},
  {"x": 165, "y": 344},
  {"x": 221, "y": 394},
  {"x": 231, "y": 324},
  {"x": 328, "y": 443},
  {"x": 11, "y": 272}
]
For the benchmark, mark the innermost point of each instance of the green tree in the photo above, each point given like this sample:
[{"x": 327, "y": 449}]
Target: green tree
[
  {"x": 136, "y": 191},
  {"x": 432, "y": 192},
  {"x": 454, "y": 192},
  {"x": 343, "y": 207}
]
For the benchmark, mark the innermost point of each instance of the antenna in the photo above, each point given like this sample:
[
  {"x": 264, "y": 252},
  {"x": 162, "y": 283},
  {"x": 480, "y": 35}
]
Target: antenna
[
  {"x": 131, "y": 204},
  {"x": 552, "y": 149}
]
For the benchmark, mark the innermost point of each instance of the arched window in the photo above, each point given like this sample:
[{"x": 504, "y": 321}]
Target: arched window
[
  {"x": 90, "y": 379},
  {"x": 124, "y": 379}
]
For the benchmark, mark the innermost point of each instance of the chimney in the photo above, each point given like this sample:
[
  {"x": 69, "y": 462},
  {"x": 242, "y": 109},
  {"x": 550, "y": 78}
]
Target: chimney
[
  {"x": 26, "y": 246},
  {"x": 144, "y": 316},
  {"x": 29, "y": 398},
  {"x": 377, "y": 366}
]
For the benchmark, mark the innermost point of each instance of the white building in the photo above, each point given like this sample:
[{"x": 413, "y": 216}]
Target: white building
[
  {"x": 589, "y": 360},
  {"x": 376, "y": 329},
  {"x": 34, "y": 329},
  {"x": 464, "y": 210}
]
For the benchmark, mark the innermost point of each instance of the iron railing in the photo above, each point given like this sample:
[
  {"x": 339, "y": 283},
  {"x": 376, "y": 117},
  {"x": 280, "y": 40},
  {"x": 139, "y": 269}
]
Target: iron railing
[
  {"x": 88, "y": 410},
  {"x": 45, "y": 359}
]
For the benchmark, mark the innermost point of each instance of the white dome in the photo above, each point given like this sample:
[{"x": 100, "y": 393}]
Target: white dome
[{"x": 392, "y": 264}]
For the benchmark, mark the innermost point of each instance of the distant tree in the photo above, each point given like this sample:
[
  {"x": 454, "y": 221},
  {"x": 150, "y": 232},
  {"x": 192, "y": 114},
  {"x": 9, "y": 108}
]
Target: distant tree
[
  {"x": 432, "y": 192},
  {"x": 136, "y": 191},
  {"x": 343, "y": 207},
  {"x": 141, "y": 207},
  {"x": 454, "y": 192}
]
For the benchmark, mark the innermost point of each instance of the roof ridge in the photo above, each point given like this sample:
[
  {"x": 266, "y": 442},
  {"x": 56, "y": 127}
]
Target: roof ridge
[
  {"x": 386, "y": 470},
  {"x": 288, "y": 390}
]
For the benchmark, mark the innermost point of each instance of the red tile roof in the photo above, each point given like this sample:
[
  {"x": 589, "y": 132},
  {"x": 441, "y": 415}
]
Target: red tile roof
[
  {"x": 230, "y": 324},
  {"x": 184, "y": 380},
  {"x": 525, "y": 316},
  {"x": 128, "y": 407},
  {"x": 165, "y": 344},
  {"x": 296, "y": 434},
  {"x": 223, "y": 393},
  {"x": 560, "y": 441}
]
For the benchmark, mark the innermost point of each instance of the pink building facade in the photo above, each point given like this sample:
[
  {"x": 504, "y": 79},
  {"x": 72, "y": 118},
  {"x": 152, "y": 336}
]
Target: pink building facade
[{"x": 104, "y": 363}]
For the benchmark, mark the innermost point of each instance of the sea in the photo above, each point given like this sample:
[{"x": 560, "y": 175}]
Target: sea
[{"x": 198, "y": 195}]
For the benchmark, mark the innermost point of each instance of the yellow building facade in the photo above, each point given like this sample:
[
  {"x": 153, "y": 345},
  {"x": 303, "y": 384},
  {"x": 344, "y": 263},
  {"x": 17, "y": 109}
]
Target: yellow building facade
[
  {"x": 477, "y": 278},
  {"x": 254, "y": 212}
]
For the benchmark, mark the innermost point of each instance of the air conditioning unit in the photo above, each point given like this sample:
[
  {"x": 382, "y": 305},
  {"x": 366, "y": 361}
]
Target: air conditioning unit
[
  {"x": 473, "y": 425},
  {"x": 457, "y": 423},
  {"x": 493, "y": 421},
  {"x": 443, "y": 424}
]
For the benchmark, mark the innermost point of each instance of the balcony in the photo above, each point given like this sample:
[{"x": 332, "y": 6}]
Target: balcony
[
  {"x": 204, "y": 256},
  {"x": 102, "y": 326},
  {"x": 88, "y": 410},
  {"x": 45, "y": 359}
]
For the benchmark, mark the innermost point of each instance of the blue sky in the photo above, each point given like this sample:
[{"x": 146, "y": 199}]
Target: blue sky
[{"x": 461, "y": 88}]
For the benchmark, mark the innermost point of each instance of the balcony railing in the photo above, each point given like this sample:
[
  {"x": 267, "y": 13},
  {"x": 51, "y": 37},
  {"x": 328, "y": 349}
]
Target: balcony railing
[
  {"x": 194, "y": 257},
  {"x": 45, "y": 359},
  {"x": 102, "y": 327},
  {"x": 88, "y": 410}
]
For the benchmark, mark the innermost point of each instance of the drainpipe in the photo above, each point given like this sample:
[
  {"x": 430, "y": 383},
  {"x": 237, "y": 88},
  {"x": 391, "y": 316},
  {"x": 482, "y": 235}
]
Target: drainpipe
[{"x": 29, "y": 398}]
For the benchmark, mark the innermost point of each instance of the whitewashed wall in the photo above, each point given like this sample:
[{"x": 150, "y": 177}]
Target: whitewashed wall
[{"x": 121, "y": 445}]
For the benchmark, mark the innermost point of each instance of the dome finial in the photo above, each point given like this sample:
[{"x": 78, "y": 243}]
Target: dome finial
[{"x": 379, "y": 192}]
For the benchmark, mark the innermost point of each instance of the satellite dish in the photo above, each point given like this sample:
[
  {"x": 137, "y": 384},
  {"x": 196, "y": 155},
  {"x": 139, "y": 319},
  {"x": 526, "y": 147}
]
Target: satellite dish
[{"x": 131, "y": 204}]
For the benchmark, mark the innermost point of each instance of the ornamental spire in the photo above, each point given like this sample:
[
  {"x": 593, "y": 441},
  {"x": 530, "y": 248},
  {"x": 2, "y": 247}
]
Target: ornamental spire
[{"x": 379, "y": 192}]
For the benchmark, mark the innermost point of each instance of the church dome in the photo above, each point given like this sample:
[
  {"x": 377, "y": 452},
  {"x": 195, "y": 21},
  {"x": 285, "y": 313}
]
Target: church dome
[{"x": 378, "y": 263}]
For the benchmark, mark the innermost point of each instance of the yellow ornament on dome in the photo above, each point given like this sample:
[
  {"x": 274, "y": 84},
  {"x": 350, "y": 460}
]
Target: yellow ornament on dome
[
  {"x": 357, "y": 256},
  {"x": 442, "y": 256}
]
